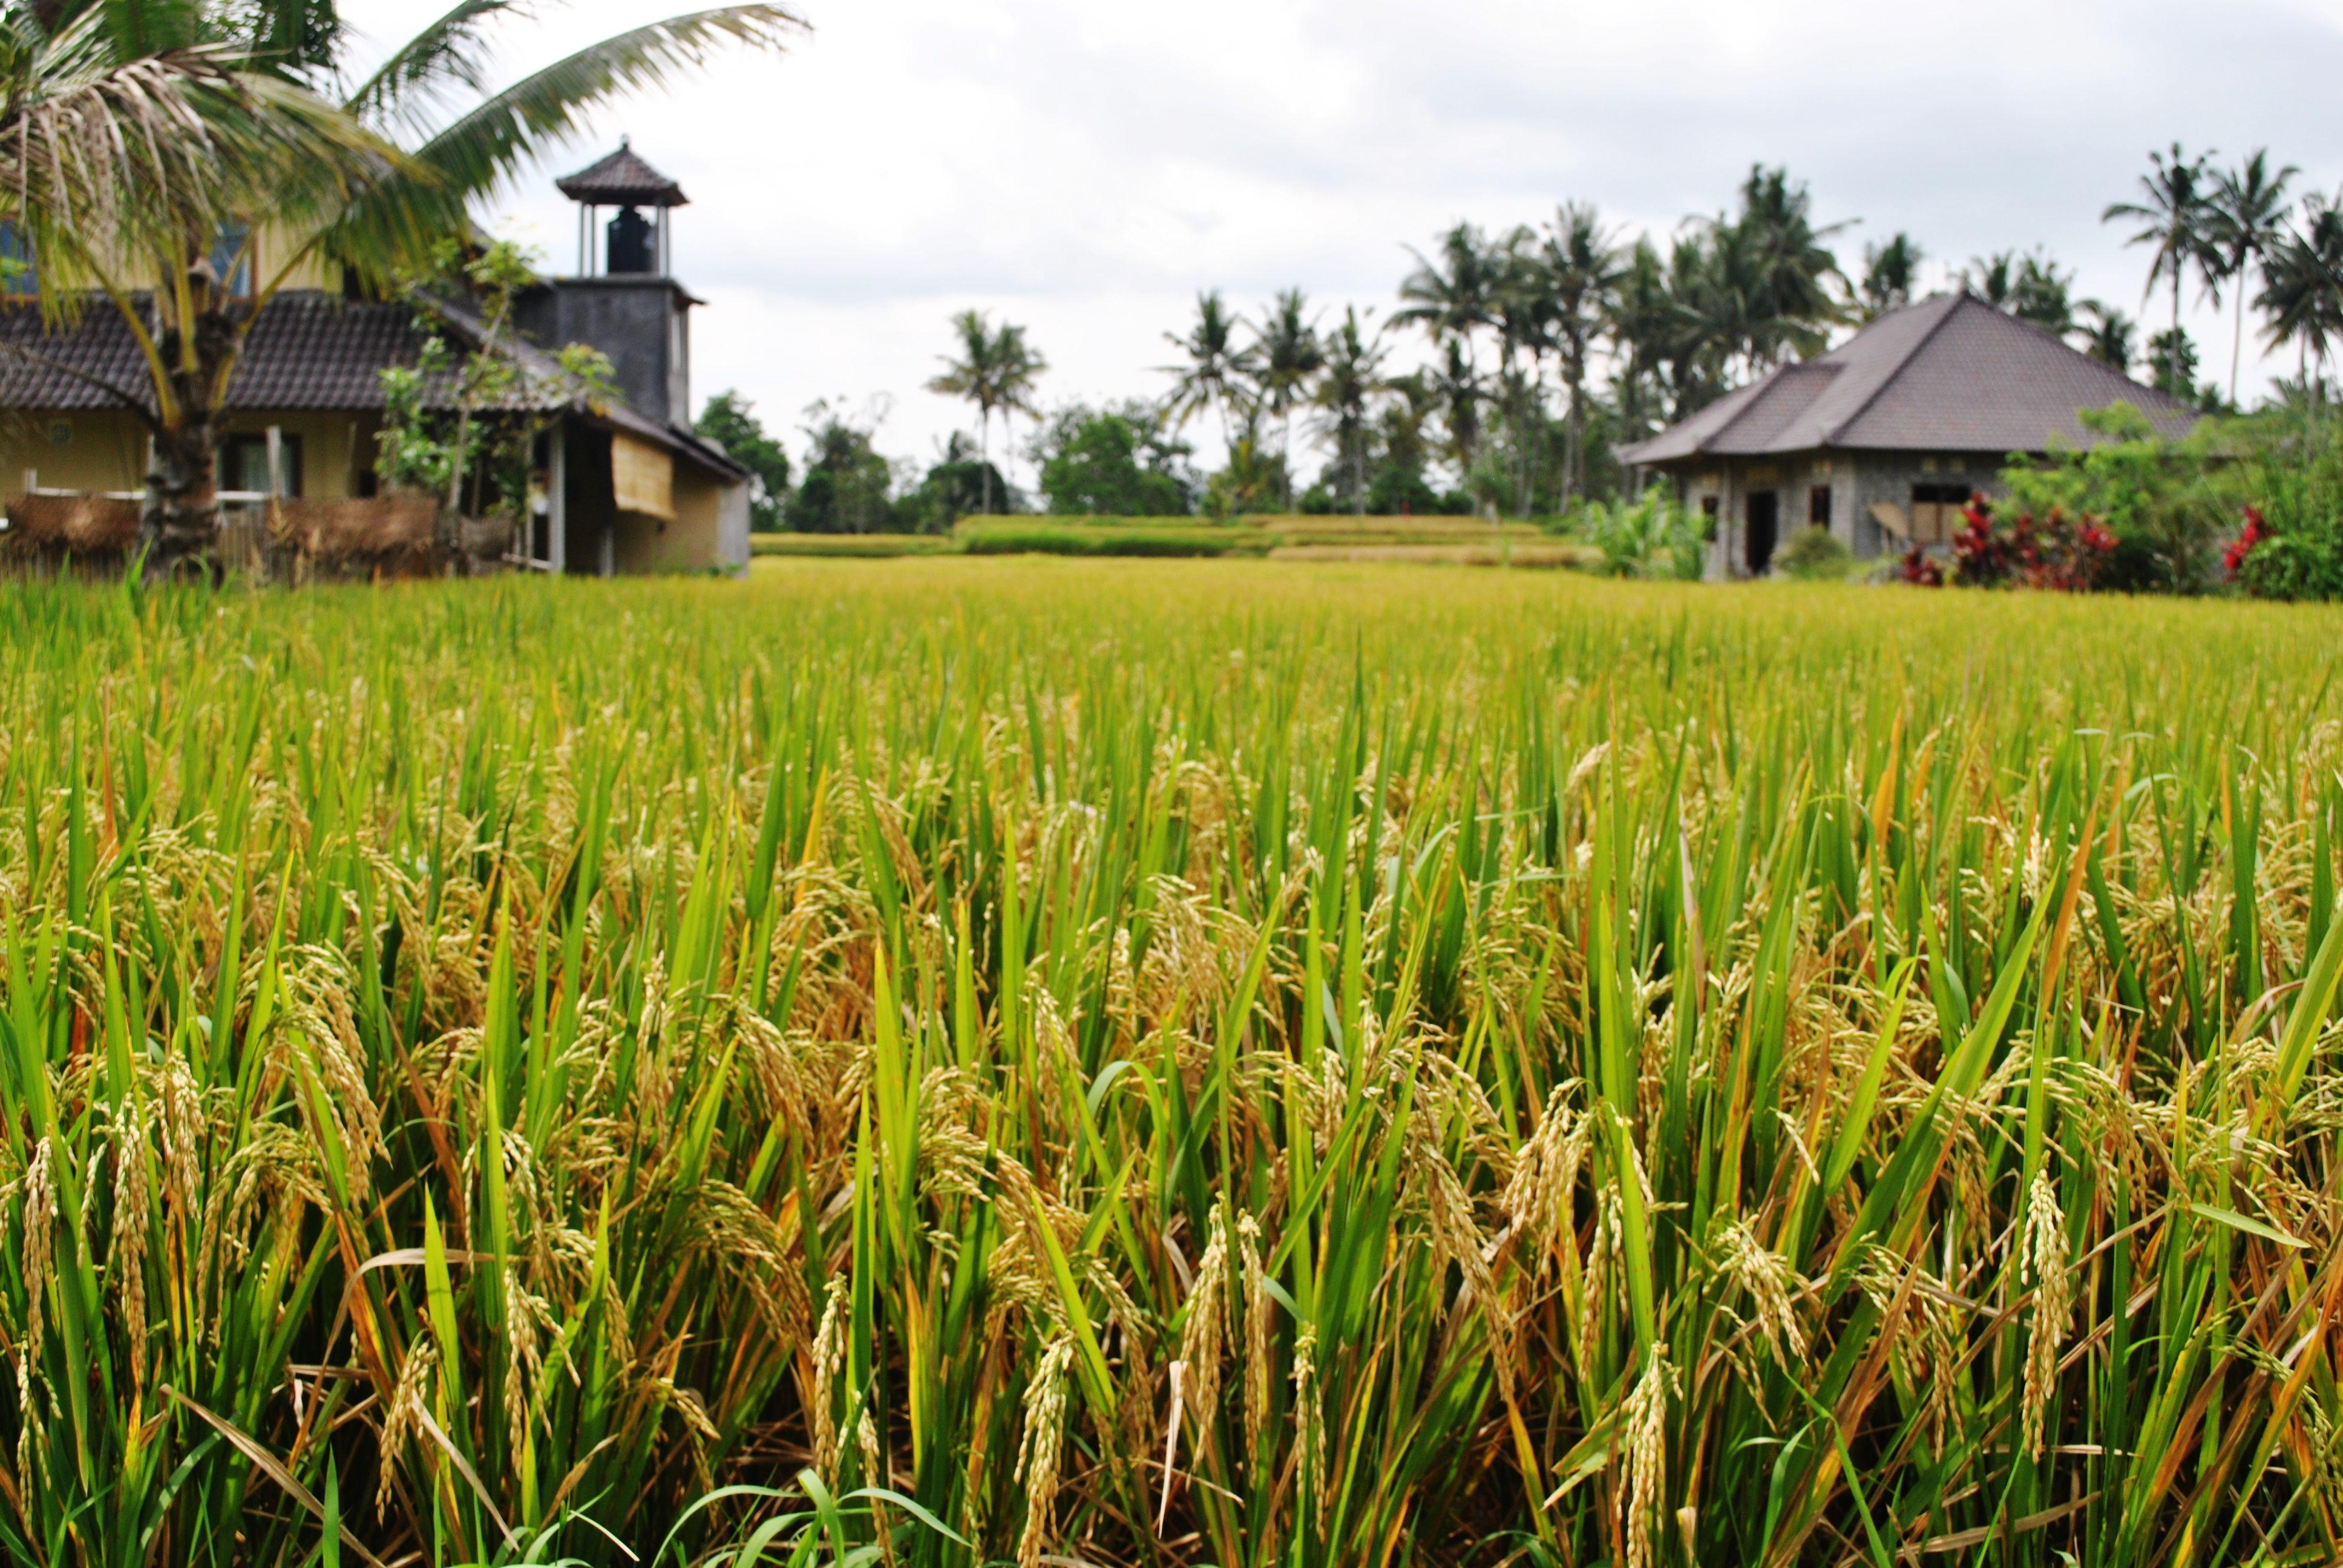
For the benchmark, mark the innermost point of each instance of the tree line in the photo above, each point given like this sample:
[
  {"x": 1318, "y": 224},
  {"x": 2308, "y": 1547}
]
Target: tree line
[{"x": 1548, "y": 346}]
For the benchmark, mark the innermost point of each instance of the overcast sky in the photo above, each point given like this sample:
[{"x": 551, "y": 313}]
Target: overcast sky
[{"x": 1086, "y": 165}]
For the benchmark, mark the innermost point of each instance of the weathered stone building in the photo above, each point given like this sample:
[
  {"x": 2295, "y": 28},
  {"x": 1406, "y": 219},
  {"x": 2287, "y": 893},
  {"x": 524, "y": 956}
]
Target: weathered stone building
[{"x": 1883, "y": 439}]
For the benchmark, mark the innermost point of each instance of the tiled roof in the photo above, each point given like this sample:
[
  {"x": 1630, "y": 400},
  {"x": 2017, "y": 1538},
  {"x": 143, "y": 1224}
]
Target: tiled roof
[
  {"x": 1950, "y": 374},
  {"x": 310, "y": 351},
  {"x": 622, "y": 179}
]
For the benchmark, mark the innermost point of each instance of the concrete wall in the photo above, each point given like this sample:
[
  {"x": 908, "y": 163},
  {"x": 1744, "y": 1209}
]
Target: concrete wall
[{"x": 638, "y": 322}]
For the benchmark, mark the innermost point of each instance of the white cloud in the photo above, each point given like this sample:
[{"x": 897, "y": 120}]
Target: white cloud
[{"x": 1086, "y": 165}]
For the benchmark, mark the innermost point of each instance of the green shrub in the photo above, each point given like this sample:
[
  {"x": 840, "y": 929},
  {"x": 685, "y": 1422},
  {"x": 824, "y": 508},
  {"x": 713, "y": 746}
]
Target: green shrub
[{"x": 1814, "y": 555}]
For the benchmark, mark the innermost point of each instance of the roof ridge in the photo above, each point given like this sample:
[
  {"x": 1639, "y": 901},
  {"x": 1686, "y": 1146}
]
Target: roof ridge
[
  {"x": 1903, "y": 363},
  {"x": 1757, "y": 395}
]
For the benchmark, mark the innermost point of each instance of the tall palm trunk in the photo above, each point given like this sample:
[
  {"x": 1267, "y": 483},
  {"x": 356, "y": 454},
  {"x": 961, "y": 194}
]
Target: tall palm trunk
[
  {"x": 179, "y": 519},
  {"x": 984, "y": 458}
]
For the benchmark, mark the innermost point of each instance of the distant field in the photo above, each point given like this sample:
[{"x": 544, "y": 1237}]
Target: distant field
[
  {"x": 1155, "y": 1063},
  {"x": 1455, "y": 541}
]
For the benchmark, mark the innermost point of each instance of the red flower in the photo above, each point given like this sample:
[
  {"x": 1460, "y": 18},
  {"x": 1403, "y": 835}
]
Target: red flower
[{"x": 2257, "y": 529}]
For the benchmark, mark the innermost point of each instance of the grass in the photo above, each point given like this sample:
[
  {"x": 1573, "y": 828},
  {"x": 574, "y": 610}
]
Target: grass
[{"x": 1007, "y": 1060}]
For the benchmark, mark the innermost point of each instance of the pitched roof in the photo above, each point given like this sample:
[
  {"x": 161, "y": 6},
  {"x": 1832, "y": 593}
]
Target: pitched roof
[
  {"x": 622, "y": 179},
  {"x": 1949, "y": 374},
  {"x": 308, "y": 352}
]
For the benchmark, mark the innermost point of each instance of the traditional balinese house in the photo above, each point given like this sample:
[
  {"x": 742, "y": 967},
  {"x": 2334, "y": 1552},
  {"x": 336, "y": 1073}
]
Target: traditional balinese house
[
  {"x": 625, "y": 486},
  {"x": 1883, "y": 439}
]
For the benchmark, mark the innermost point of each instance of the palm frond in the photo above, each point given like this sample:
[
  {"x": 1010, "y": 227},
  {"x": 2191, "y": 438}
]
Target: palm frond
[
  {"x": 490, "y": 143},
  {"x": 447, "y": 56},
  {"x": 105, "y": 159}
]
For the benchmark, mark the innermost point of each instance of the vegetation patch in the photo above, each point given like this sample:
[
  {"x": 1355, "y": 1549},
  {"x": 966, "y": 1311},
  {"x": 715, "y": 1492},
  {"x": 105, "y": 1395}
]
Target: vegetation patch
[{"x": 1024, "y": 1060}]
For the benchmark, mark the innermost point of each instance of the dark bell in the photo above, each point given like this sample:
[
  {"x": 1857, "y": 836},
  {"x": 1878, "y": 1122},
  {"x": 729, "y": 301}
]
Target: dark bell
[{"x": 631, "y": 245}]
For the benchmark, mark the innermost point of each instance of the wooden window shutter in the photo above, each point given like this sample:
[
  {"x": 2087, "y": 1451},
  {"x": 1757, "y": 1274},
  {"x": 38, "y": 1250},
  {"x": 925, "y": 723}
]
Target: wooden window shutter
[{"x": 643, "y": 477}]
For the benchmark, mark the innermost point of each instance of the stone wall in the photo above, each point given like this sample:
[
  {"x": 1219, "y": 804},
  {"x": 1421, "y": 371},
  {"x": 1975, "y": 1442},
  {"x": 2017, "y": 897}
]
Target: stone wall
[{"x": 1856, "y": 480}]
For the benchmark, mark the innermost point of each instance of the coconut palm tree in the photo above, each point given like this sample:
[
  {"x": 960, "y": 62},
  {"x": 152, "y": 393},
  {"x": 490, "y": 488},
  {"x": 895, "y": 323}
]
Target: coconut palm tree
[
  {"x": 376, "y": 183},
  {"x": 464, "y": 143},
  {"x": 147, "y": 136},
  {"x": 1890, "y": 272},
  {"x": 1349, "y": 380},
  {"x": 1021, "y": 369},
  {"x": 1453, "y": 296},
  {"x": 2249, "y": 203},
  {"x": 975, "y": 376},
  {"x": 1581, "y": 273},
  {"x": 1217, "y": 369},
  {"x": 2302, "y": 284},
  {"x": 2110, "y": 336},
  {"x": 1793, "y": 275},
  {"x": 1287, "y": 356},
  {"x": 2174, "y": 220},
  {"x": 1993, "y": 278}
]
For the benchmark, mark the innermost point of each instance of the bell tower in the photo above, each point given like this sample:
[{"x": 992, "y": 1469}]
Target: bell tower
[
  {"x": 633, "y": 246},
  {"x": 623, "y": 299}
]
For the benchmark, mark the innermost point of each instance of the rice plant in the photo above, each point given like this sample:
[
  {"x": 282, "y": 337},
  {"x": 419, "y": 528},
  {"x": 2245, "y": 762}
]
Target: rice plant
[{"x": 1170, "y": 1063}]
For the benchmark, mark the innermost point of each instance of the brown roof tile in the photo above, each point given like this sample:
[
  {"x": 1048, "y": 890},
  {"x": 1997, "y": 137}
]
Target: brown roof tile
[{"x": 1949, "y": 374}]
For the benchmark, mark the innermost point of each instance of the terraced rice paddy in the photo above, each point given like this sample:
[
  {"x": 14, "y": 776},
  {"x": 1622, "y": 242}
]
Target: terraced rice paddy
[{"x": 1167, "y": 1063}]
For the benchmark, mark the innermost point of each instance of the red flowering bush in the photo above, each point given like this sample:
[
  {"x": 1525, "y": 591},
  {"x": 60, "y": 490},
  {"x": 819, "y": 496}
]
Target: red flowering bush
[
  {"x": 1922, "y": 569},
  {"x": 2056, "y": 551},
  {"x": 2258, "y": 529}
]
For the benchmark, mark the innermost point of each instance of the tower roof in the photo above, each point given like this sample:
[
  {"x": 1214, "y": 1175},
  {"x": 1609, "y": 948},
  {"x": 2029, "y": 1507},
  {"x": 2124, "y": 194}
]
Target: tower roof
[{"x": 621, "y": 180}]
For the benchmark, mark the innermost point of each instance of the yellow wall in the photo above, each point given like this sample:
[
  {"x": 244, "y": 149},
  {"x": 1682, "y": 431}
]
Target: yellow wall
[
  {"x": 107, "y": 451},
  {"x": 102, "y": 451},
  {"x": 689, "y": 544}
]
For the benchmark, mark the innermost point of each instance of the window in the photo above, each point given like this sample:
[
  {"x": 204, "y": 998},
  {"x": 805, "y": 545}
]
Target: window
[
  {"x": 232, "y": 259},
  {"x": 1936, "y": 512},
  {"x": 18, "y": 278},
  {"x": 1708, "y": 508},
  {"x": 1818, "y": 506},
  {"x": 244, "y": 464}
]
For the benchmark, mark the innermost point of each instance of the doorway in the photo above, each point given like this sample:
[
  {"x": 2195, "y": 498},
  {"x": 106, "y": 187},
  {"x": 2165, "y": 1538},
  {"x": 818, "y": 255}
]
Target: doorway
[{"x": 1765, "y": 529}]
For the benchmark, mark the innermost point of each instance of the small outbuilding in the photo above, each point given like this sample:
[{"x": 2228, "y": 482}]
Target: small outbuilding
[{"x": 1886, "y": 437}]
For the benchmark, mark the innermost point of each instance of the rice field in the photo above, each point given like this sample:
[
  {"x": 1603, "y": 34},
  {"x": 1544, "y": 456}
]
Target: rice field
[{"x": 974, "y": 1061}]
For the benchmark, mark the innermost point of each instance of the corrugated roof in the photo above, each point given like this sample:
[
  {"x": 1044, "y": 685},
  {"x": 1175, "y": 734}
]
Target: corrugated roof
[
  {"x": 622, "y": 179},
  {"x": 1950, "y": 374}
]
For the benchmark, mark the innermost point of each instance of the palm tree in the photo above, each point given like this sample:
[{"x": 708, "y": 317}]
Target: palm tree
[
  {"x": 1287, "y": 356},
  {"x": 2174, "y": 218},
  {"x": 332, "y": 180},
  {"x": 976, "y": 376},
  {"x": 1217, "y": 369},
  {"x": 1792, "y": 270},
  {"x": 141, "y": 132},
  {"x": 1890, "y": 272},
  {"x": 464, "y": 143},
  {"x": 1348, "y": 382},
  {"x": 1019, "y": 368},
  {"x": 1994, "y": 279},
  {"x": 2302, "y": 284},
  {"x": 2248, "y": 211},
  {"x": 2043, "y": 294},
  {"x": 1581, "y": 273},
  {"x": 1458, "y": 391},
  {"x": 1456, "y": 295},
  {"x": 2110, "y": 336}
]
